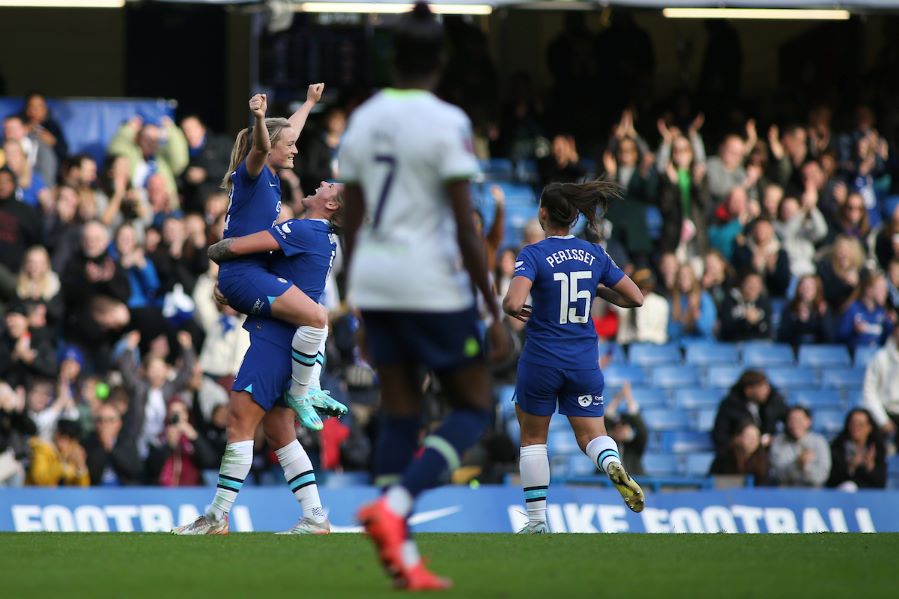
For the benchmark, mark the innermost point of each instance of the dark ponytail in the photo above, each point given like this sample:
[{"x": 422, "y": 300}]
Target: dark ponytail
[
  {"x": 564, "y": 201},
  {"x": 418, "y": 43}
]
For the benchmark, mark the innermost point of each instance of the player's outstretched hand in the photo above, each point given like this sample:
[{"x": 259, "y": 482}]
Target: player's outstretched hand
[
  {"x": 314, "y": 93},
  {"x": 258, "y": 105},
  {"x": 500, "y": 342}
]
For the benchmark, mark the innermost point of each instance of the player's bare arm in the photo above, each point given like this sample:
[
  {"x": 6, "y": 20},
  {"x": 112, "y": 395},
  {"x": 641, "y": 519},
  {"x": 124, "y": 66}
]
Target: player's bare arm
[
  {"x": 625, "y": 294},
  {"x": 235, "y": 247}
]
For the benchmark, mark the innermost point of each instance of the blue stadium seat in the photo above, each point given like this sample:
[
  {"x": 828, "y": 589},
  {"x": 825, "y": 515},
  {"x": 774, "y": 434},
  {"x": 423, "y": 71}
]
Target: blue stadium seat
[
  {"x": 817, "y": 399},
  {"x": 513, "y": 429},
  {"x": 766, "y": 355},
  {"x": 686, "y": 441},
  {"x": 526, "y": 171},
  {"x": 843, "y": 378},
  {"x": 580, "y": 465},
  {"x": 616, "y": 351},
  {"x": 670, "y": 377},
  {"x": 646, "y": 397},
  {"x": 824, "y": 356},
  {"x": 777, "y": 309},
  {"x": 723, "y": 376},
  {"x": 618, "y": 374},
  {"x": 561, "y": 442},
  {"x": 698, "y": 397},
  {"x": 504, "y": 400},
  {"x": 704, "y": 420},
  {"x": 863, "y": 355},
  {"x": 799, "y": 377},
  {"x": 497, "y": 169},
  {"x": 709, "y": 353},
  {"x": 666, "y": 419},
  {"x": 517, "y": 194},
  {"x": 339, "y": 480},
  {"x": 698, "y": 464},
  {"x": 650, "y": 354},
  {"x": 829, "y": 422},
  {"x": 893, "y": 471},
  {"x": 660, "y": 464}
]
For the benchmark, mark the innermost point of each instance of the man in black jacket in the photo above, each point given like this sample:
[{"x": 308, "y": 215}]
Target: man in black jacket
[
  {"x": 112, "y": 458},
  {"x": 750, "y": 399}
]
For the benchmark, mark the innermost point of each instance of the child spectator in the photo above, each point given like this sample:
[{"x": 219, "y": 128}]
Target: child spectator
[{"x": 743, "y": 455}]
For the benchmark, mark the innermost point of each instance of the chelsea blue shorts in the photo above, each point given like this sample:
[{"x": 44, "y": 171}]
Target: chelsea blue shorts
[
  {"x": 441, "y": 341},
  {"x": 252, "y": 289},
  {"x": 264, "y": 373},
  {"x": 540, "y": 389}
]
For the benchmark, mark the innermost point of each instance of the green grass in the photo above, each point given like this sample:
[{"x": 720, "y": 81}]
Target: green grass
[{"x": 549, "y": 567}]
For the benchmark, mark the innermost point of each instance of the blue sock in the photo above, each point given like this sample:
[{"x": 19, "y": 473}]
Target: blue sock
[
  {"x": 444, "y": 449},
  {"x": 397, "y": 444}
]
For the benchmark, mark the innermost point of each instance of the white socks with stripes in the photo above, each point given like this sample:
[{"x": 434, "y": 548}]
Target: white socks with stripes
[
  {"x": 301, "y": 479},
  {"x": 304, "y": 350},
  {"x": 603, "y": 451},
  {"x": 534, "y": 467},
  {"x": 234, "y": 470}
]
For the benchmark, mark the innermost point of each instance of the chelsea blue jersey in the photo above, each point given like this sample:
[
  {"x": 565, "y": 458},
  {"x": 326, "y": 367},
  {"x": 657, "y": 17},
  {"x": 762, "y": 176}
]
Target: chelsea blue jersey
[
  {"x": 308, "y": 248},
  {"x": 565, "y": 272},
  {"x": 254, "y": 205}
]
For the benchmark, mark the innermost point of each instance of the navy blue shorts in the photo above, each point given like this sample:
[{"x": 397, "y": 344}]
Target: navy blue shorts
[
  {"x": 253, "y": 290},
  {"x": 440, "y": 341},
  {"x": 264, "y": 373},
  {"x": 539, "y": 389}
]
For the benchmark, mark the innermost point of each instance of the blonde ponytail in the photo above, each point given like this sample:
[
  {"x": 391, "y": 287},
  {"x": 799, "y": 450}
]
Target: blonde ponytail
[{"x": 244, "y": 142}]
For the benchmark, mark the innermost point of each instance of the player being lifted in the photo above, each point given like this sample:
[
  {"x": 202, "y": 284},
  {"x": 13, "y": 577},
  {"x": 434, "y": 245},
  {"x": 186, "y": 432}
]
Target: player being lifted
[
  {"x": 254, "y": 190},
  {"x": 407, "y": 160},
  {"x": 304, "y": 252},
  {"x": 559, "y": 365}
]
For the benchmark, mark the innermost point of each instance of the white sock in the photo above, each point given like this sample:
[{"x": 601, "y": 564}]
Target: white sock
[
  {"x": 603, "y": 451},
  {"x": 301, "y": 479},
  {"x": 235, "y": 466},
  {"x": 399, "y": 500},
  {"x": 534, "y": 467},
  {"x": 304, "y": 349},
  {"x": 315, "y": 380},
  {"x": 411, "y": 556}
]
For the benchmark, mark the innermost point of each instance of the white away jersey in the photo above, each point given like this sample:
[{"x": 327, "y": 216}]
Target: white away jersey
[{"x": 402, "y": 147}]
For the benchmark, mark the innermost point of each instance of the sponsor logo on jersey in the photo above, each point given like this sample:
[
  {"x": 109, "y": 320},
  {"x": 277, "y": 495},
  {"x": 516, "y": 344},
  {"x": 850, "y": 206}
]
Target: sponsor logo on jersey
[
  {"x": 280, "y": 280},
  {"x": 519, "y": 265},
  {"x": 257, "y": 307},
  {"x": 585, "y": 400},
  {"x": 597, "y": 400}
]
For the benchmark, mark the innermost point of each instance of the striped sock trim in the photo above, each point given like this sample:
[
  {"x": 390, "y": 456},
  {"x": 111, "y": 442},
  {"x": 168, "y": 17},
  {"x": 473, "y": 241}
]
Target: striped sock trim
[
  {"x": 444, "y": 448},
  {"x": 320, "y": 358},
  {"x": 303, "y": 479},
  {"x": 302, "y": 358},
  {"x": 537, "y": 493},
  {"x": 607, "y": 455}
]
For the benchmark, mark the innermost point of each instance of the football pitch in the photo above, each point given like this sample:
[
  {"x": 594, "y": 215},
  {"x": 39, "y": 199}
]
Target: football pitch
[{"x": 482, "y": 565}]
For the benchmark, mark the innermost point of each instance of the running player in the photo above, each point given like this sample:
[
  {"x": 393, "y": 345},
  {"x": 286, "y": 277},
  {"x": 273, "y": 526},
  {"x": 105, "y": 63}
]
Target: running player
[
  {"x": 305, "y": 251},
  {"x": 407, "y": 160},
  {"x": 254, "y": 190},
  {"x": 559, "y": 365}
]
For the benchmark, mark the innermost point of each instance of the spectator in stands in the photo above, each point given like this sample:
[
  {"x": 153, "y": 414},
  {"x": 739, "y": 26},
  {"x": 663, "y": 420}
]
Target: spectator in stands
[
  {"x": 760, "y": 252},
  {"x": 852, "y": 219},
  {"x": 152, "y": 148},
  {"x": 668, "y": 266},
  {"x": 19, "y": 227},
  {"x": 41, "y": 125},
  {"x": 799, "y": 457},
  {"x": 15, "y": 429},
  {"x": 25, "y": 351},
  {"x": 750, "y": 399},
  {"x": 866, "y": 321},
  {"x": 649, "y": 322},
  {"x": 886, "y": 244},
  {"x": 80, "y": 173},
  {"x": 841, "y": 271},
  {"x": 790, "y": 152},
  {"x": 126, "y": 204},
  {"x": 60, "y": 463},
  {"x": 62, "y": 228},
  {"x": 318, "y": 154},
  {"x": 725, "y": 171},
  {"x": 684, "y": 198},
  {"x": 141, "y": 272},
  {"x": 505, "y": 271},
  {"x": 563, "y": 165},
  {"x": 209, "y": 154},
  {"x": 807, "y": 319},
  {"x": 39, "y": 287},
  {"x": 41, "y": 157},
  {"x": 728, "y": 222},
  {"x": 772, "y": 196},
  {"x": 717, "y": 276},
  {"x": 112, "y": 458},
  {"x": 746, "y": 312},
  {"x": 800, "y": 227},
  {"x": 150, "y": 388},
  {"x": 743, "y": 455},
  {"x": 880, "y": 395},
  {"x": 162, "y": 202},
  {"x": 177, "y": 459},
  {"x": 226, "y": 341},
  {"x": 858, "y": 454},
  {"x": 31, "y": 186},
  {"x": 180, "y": 259},
  {"x": 627, "y": 428},
  {"x": 692, "y": 312}
]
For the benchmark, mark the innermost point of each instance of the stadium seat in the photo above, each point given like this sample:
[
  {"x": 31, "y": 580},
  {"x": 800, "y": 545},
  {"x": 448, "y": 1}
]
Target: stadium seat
[
  {"x": 799, "y": 377},
  {"x": 670, "y": 377},
  {"x": 723, "y": 376},
  {"x": 817, "y": 399},
  {"x": 824, "y": 356},
  {"x": 698, "y": 397},
  {"x": 843, "y": 378},
  {"x": 863, "y": 355},
  {"x": 517, "y": 194},
  {"x": 704, "y": 420},
  {"x": 650, "y": 354},
  {"x": 646, "y": 397},
  {"x": 709, "y": 353},
  {"x": 613, "y": 349},
  {"x": 561, "y": 442},
  {"x": 339, "y": 480},
  {"x": 686, "y": 441},
  {"x": 618, "y": 374},
  {"x": 513, "y": 429},
  {"x": 660, "y": 464},
  {"x": 766, "y": 355},
  {"x": 829, "y": 422},
  {"x": 698, "y": 464},
  {"x": 497, "y": 169},
  {"x": 526, "y": 171},
  {"x": 504, "y": 396},
  {"x": 580, "y": 465},
  {"x": 893, "y": 471},
  {"x": 666, "y": 419}
]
